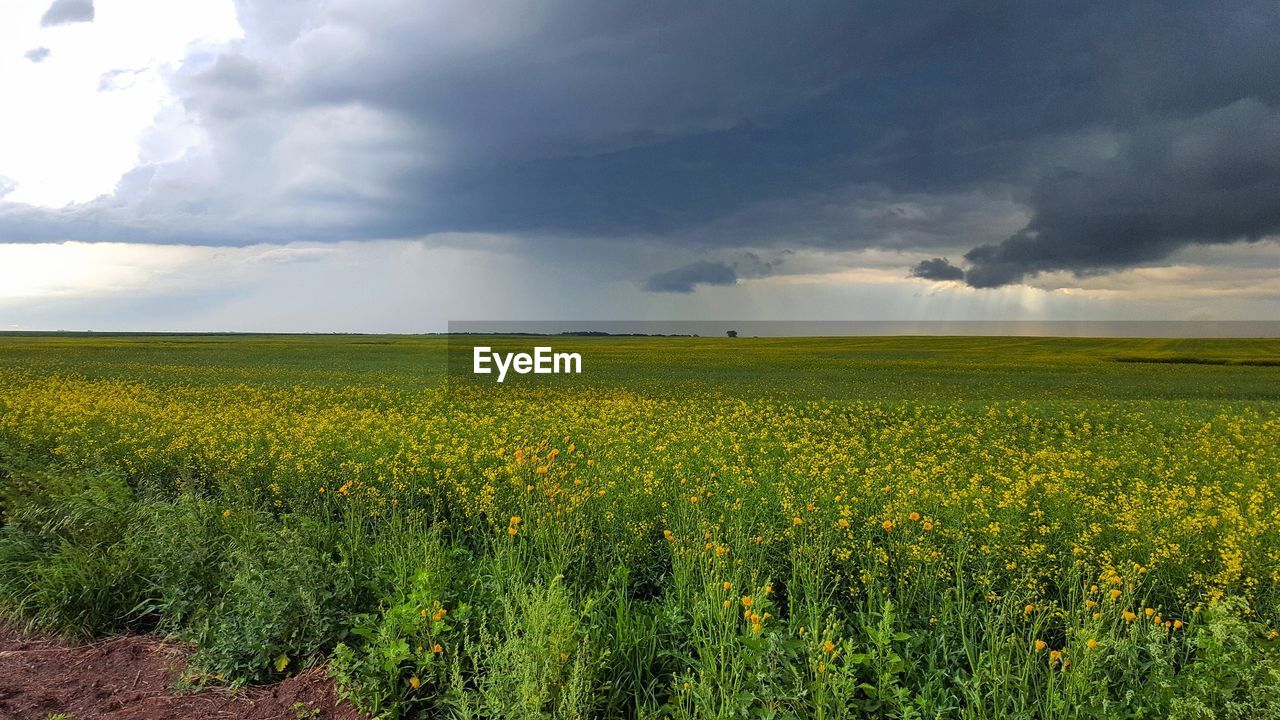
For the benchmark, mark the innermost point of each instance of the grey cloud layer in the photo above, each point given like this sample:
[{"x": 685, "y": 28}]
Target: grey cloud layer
[
  {"x": 1034, "y": 136},
  {"x": 686, "y": 279},
  {"x": 62, "y": 12},
  {"x": 937, "y": 269}
]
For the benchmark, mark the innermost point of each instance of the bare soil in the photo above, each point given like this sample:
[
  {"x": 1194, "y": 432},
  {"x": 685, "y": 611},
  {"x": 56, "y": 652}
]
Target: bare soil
[{"x": 132, "y": 677}]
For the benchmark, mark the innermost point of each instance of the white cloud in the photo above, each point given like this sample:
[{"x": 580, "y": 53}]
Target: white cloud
[{"x": 73, "y": 124}]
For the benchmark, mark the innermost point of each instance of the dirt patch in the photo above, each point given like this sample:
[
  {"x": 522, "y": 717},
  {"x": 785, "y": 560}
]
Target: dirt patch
[{"x": 132, "y": 676}]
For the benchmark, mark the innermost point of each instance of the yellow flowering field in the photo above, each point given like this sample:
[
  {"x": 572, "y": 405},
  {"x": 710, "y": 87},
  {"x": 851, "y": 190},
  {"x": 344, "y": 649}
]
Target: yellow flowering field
[{"x": 692, "y": 528}]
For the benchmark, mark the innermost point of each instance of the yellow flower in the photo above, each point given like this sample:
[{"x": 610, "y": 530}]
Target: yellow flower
[
  {"x": 797, "y": 521},
  {"x": 1129, "y": 616},
  {"x": 226, "y": 513},
  {"x": 1177, "y": 625},
  {"x": 727, "y": 585},
  {"x": 437, "y": 649},
  {"x": 1040, "y": 645},
  {"x": 1029, "y": 609},
  {"x": 1092, "y": 644},
  {"x": 842, "y": 523},
  {"x": 887, "y": 525},
  {"x": 828, "y": 647},
  {"x": 414, "y": 682},
  {"x": 914, "y": 516},
  {"x": 927, "y": 526},
  {"x": 512, "y": 531},
  {"x": 746, "y": 601},
  {"x": 1149, "y": 612},
  {"x": 1114, "y": 593}
]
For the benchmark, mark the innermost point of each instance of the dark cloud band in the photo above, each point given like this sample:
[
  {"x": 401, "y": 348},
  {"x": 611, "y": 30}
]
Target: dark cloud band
[
  {"x": 1210, "y": 179},
  {"x": 939, "y": 269},
  {"x": 686, "y": 279}
]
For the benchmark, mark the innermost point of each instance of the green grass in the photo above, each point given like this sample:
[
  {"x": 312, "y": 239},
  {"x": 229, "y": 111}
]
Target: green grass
[{"x": 693, "y": 528}]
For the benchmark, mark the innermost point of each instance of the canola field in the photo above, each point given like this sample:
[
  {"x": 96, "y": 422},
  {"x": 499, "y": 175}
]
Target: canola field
[{"x": 691, "y": 528}]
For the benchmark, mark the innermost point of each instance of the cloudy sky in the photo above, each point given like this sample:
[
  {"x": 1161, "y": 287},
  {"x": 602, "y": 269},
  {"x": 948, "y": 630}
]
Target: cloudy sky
[{"x": 385, "y": 165}]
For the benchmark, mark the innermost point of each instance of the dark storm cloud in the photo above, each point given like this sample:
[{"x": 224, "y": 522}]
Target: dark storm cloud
[
  {"x": 1214, "y": 178},
  {"x": 1122, "y": 131},
  {"x": 937, "y": 269},
  {"x": 36, "y": 55},
  {"x": 62, "y": 12},
  {"x": 686, "y": 279}
]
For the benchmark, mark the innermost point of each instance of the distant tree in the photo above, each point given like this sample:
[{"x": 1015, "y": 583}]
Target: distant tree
[{"x": 732, "y": 333}]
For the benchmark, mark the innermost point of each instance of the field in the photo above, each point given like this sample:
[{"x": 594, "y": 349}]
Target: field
[{"x": 692, "y": 528}]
